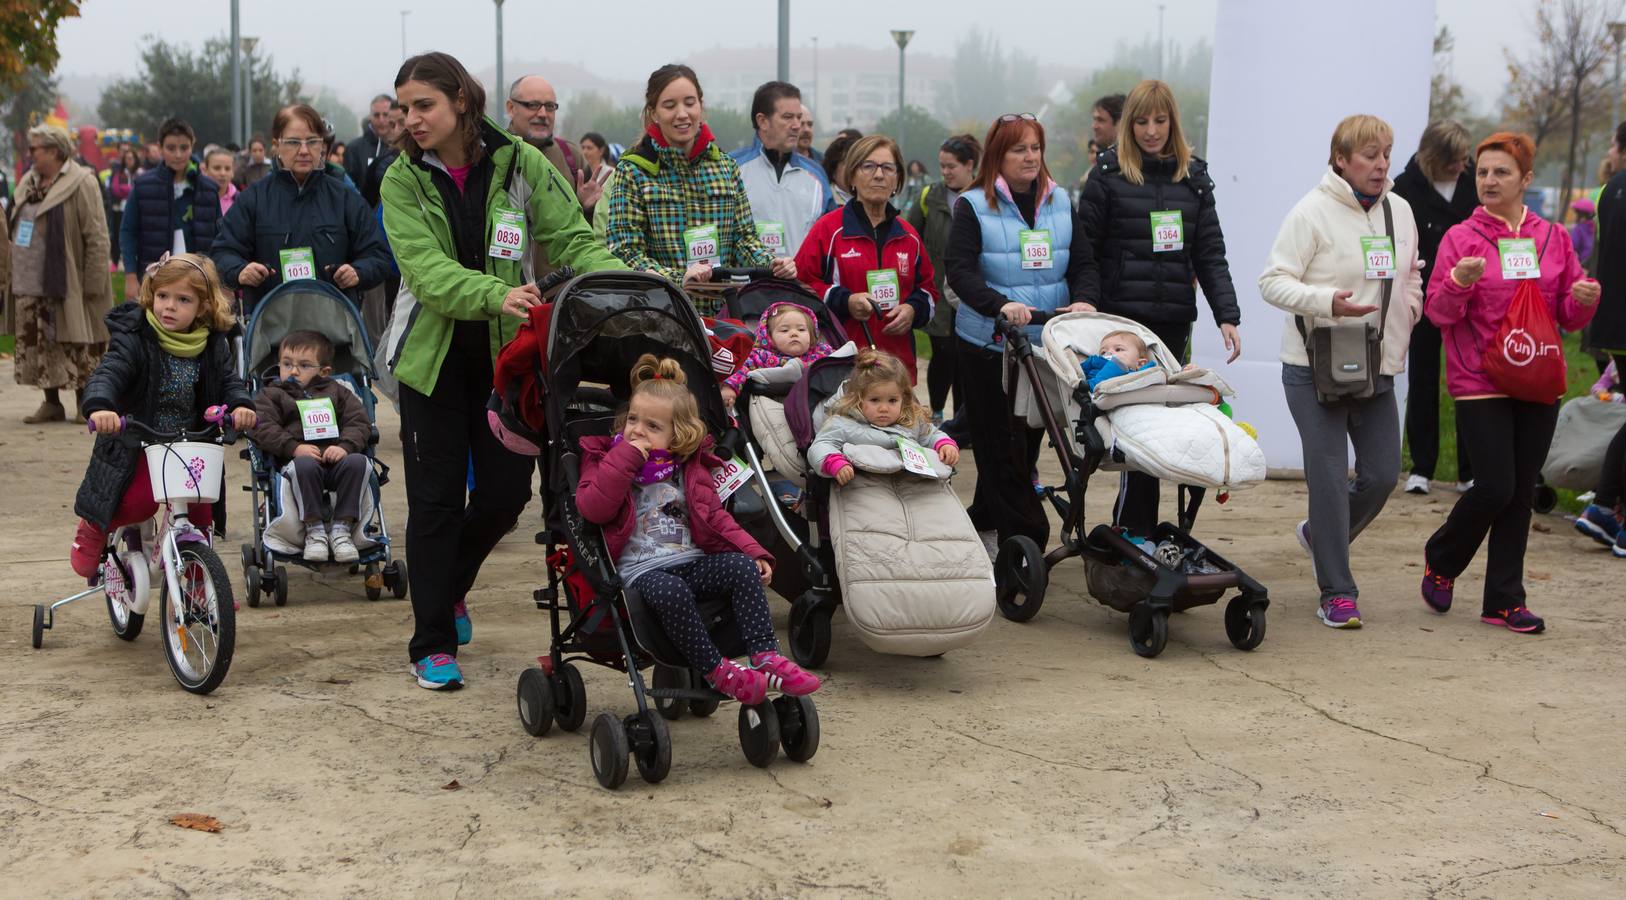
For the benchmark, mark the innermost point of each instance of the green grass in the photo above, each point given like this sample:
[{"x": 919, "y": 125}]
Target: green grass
[{"x": 1582, "y": 373}]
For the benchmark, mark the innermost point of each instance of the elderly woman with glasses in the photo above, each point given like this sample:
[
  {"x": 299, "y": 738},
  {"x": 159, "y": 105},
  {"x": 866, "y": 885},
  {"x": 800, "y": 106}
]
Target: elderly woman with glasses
[
  {"x": 868, "y": 264},
  {"x": 57, "y": 272},
  {"x": 300, "y": 222}
]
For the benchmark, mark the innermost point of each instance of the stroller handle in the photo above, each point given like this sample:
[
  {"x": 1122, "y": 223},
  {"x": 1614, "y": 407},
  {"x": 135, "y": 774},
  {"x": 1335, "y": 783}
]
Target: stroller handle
[
  {"x": 753, "y": 273},
  {"x": 555, "y": 278},
  {"x": 1039, "y": 317}
]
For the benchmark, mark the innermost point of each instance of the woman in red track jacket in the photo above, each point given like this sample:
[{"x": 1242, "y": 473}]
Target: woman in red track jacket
[{"x": 867, "y": 263}]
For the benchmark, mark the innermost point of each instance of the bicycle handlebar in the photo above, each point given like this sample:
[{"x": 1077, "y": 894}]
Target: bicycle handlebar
[{"x": 132, "y": 432}]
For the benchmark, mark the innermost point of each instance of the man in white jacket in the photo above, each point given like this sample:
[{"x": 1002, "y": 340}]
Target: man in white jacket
[
  {"x": 788, "y": 191},
  {"x": 1342, "y": 248}
]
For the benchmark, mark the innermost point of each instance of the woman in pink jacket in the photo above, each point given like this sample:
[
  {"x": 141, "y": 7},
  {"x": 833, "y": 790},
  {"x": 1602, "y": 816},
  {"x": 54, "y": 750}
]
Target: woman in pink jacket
[{"x": 1468, "y": 297}]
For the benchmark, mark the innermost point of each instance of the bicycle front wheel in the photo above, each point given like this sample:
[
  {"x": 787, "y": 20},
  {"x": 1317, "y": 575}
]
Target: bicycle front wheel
[{"x": 200, "y": 626}]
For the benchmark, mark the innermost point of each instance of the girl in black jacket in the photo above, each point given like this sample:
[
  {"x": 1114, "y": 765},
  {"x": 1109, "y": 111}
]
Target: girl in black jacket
[
  {"x": 1148, "y": 209},
  {"x": 169, "y": 358}
]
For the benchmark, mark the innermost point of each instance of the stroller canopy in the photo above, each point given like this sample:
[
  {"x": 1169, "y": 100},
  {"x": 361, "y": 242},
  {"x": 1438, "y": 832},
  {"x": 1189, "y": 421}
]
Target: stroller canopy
[
  {"x": 603, "y": 321},
  {"x": 750, "y": 301},
  {"x": 308, "y": 305}
]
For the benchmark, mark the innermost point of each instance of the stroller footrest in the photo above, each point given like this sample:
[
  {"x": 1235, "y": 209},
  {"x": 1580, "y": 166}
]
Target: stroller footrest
[{"x": 683, "y": 694}]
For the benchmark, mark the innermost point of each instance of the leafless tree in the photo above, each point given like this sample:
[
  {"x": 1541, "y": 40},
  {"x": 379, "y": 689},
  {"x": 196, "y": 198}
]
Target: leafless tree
[{"x": 1560, "y": 81}]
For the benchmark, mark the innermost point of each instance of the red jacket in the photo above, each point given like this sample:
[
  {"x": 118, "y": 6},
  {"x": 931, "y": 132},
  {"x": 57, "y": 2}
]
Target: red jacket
[
  {"x": 839, "y": 252},
  {"x": 604, "y": 497}
]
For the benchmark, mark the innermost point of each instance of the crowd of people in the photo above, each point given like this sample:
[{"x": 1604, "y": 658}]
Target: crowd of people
[{"x": 1375, "y": 276}]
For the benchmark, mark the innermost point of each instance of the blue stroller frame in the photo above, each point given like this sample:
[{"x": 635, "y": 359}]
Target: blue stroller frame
[{"x": 310, "y": 305}]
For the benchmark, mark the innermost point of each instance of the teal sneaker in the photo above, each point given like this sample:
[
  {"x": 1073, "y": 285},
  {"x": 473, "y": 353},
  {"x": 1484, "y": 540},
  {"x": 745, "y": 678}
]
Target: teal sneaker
[
  {"x": 438, "y": 672},
  {"x": 465, "y": 628}
]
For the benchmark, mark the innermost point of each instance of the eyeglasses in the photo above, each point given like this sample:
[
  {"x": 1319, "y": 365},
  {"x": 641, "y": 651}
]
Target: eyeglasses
[
  {"x": 1018, "y": 117},
  {"x": 301, "y": 366},
  {"x": 871, "y": 168},
  {"x": 314, "y": 143},
  {"x": 534, "y": 105}
]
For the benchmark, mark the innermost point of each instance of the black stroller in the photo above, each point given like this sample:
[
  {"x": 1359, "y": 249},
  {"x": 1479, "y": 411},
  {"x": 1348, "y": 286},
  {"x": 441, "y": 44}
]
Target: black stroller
[
  {"x": 597, "y": 327},
  {"x": 1176, "y": 574}
]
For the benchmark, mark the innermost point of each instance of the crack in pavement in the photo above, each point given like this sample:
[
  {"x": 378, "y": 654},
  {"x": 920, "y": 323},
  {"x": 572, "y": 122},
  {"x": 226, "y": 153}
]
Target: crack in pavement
[
  {"x": 49, "y": 806},
  {"x": 815, "y": 885},
  {"x": 363, "y": 712},
  {"x": 179, "y": 891},
  {"x": 1170, "y": 820},
  {"x": 1033, "y": 756},
  {"x": 471, "y": 829},
  {"x": 1257, "y": 787},
  {"x": 1485, "y": 773},
  {"x": 821, "y": 802},
  {"x": 1434, "y": 891}
]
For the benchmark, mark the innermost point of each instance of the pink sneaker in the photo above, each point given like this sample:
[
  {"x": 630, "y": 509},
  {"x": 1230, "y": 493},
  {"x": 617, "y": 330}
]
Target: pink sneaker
[
  {"x": 748, "y": 686},
  {"x": 785, "y": 675}
]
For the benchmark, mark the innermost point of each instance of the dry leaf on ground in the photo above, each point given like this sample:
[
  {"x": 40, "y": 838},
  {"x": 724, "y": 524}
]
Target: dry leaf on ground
[
  {"x": 196, "y": 822},
  {"x": 452, "y": 785}
]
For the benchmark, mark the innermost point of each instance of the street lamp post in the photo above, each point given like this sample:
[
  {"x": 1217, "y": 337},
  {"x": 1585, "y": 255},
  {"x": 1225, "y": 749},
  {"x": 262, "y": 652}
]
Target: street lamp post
[
  {"x": 237, "y": 81},
  {"x": 1160, "y": 41},
  {"x": 248, "y": 83},
  {"x": 1617, "y": 32},
  {"x": 815, "y": 73},
  {"x": 501, "y": 85},
  {"x": 902, "y": 37},
  {"x": 404, "y": 14},
  {"x": 784, "y": 40}
]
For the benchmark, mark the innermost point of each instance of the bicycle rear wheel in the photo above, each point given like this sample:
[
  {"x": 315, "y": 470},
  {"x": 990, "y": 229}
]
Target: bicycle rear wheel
[{"x": 200, "y": 626}]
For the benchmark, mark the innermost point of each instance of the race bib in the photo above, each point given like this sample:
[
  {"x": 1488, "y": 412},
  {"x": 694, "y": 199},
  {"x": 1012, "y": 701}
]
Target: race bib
[
  {"x": 25, "y": 233},
  {"x": 772, "y": 235},
  {"x": 318, "y": 419},
  {"x": 700, "y": 245},
  {"x": 1168, "y": 231},
  {"x": 507, "y": 233},
  {"x": 297, "y": 263},
  {"x": 915, "y": 459},
  {"x": 1035, "y": 248},
  {"x": 1379, "y": 253},
  {"x": 730, "y": 477},
  {"x": 1519, "y": 260},
  {"x": 883, "y": 287}
]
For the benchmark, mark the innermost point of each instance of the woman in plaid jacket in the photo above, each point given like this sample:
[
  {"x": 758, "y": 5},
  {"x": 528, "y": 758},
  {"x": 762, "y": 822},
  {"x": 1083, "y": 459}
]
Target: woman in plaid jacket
[{"x": 677, "y": 204}]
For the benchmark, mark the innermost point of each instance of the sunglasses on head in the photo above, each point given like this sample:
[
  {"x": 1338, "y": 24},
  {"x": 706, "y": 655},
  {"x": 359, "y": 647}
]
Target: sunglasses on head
[{"x": 1016, "y": 117}]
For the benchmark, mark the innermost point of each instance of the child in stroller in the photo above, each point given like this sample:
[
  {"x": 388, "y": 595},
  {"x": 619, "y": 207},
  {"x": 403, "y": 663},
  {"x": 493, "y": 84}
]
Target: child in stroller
[
  {"x": 650, "y": 487},
  {"x": 878, "y": 408}
]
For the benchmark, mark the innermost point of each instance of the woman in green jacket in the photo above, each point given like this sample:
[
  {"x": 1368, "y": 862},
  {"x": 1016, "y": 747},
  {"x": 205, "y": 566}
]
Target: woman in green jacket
[
  {"x": 462, "y": 205},
  {"x": 677, "y": 204}
]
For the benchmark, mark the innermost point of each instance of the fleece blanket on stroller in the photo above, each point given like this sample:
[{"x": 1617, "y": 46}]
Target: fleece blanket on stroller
[
  {"x": 1163, "y": 420},
  {"x": 286, "y": 533}
]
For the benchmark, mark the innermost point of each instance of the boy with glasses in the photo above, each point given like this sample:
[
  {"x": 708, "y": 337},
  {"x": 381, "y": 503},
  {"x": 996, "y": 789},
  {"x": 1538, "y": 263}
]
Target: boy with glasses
[{"x": 320, "y": 425}]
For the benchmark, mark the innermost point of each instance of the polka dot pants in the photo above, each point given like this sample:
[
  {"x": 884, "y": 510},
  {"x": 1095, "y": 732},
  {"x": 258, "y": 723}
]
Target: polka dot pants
[{"x": 672, "y": 594}]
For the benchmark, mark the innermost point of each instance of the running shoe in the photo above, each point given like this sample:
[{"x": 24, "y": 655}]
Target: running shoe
[
  {"x": 1416, "y": 484},
  {"x": 784, "y": 675},
  {"x": 465, "y": 626},
  {"x": 1339, "y": 612},
  {"x": 1516, "y": 619},
  {"x": 1598, "y": 523},
  {"x": 344, "y": 546},
  {"x": 316, "y": 548},
  {"x": 748, "y": 686},
  {"x": 1437, "y": 590},
  {"x": 438, "y": 672},
  {"x": 1302, "y": 532},
  {"x": 1619, "y": 549}
]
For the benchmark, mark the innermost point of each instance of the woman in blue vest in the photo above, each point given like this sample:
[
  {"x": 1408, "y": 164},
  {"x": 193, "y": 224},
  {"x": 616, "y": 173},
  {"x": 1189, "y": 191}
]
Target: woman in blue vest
[
  {"x": 173, "y": 208},
  {"x": 1013, "y": 202}
]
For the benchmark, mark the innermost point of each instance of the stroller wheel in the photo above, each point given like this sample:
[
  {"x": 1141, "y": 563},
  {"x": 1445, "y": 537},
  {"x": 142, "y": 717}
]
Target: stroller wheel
[
  {"x": 374, "y": 585},
  {"x": 1544, "y": 500},
  {"x": 250, "y": 560},
  {"x": 1245, "y": 622},
  {"x": 535, "y": 702},
  {"x": 395, "y": 578},
  {"x": 608, "y": 749},
  {"x": 279, "y": 585},
  {"x": 759, "y": 733},
  {"x": 38, "y": 637},
  {"x": 570, "y": 701},
  {"x": 651, "y": 746},
  {"x": 1021, "y": 579},
  {"x": 810, "y": 631},
  {"x": 798, "y": 727},
  {"x": 251, "y": 583},
  {"x": 1148, "y": 629},
  {"x": 668, "y": 678},
  {"x": 701, "y": 708}
]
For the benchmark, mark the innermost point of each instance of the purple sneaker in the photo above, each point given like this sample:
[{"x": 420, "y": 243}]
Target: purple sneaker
[
  {"x": 1516, "y": 619},
  {"x": 1339, "y": 612},
  {"x": 1437, "y": 590}
]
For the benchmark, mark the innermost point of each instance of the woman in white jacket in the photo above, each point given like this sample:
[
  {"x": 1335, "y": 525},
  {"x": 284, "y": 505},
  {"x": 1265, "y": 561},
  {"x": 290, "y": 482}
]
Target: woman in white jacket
[{"x": 1323, "y": 270}]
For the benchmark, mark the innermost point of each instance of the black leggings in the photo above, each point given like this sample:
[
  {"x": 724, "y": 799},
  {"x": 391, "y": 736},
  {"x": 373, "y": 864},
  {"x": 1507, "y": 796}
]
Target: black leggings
[
  {"x": 1138, "y": 492},
  {"x": 1612, "y": 480},
  {"x": 1507, "y": 442},
  {"x": 942, "y": 371},
  {"x": 1005, "y": 448},
  {"x": 672, "y": 594}
]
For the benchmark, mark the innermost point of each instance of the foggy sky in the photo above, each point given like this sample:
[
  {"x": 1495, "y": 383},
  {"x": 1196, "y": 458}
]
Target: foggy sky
[{"x": 354, "y": 46}]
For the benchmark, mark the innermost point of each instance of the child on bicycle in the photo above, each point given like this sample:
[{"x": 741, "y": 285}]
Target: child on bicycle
[
  {"x": 321, "y": 426},
  {"x": 649, "y": 486},
  {"x": 877, "y": 406},
  {"x": 169, "y": 358},
  {"x": 787, "y": 333}
]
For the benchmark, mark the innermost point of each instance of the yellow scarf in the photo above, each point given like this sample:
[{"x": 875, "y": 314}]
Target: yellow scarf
[{"x": 185, "y": 344}]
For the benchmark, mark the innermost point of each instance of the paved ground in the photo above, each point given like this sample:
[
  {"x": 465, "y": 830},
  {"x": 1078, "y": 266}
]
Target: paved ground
[{"x": 1422, "y": 756}]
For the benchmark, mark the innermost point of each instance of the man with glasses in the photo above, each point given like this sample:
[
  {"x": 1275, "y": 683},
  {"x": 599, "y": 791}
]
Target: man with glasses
[
  {"x": 788, "y": 191},
  {"x": 533, "y": 107}
]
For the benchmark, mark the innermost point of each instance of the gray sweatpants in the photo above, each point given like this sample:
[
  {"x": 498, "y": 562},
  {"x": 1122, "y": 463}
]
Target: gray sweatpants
[{"x": 1341, "y": 508}]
